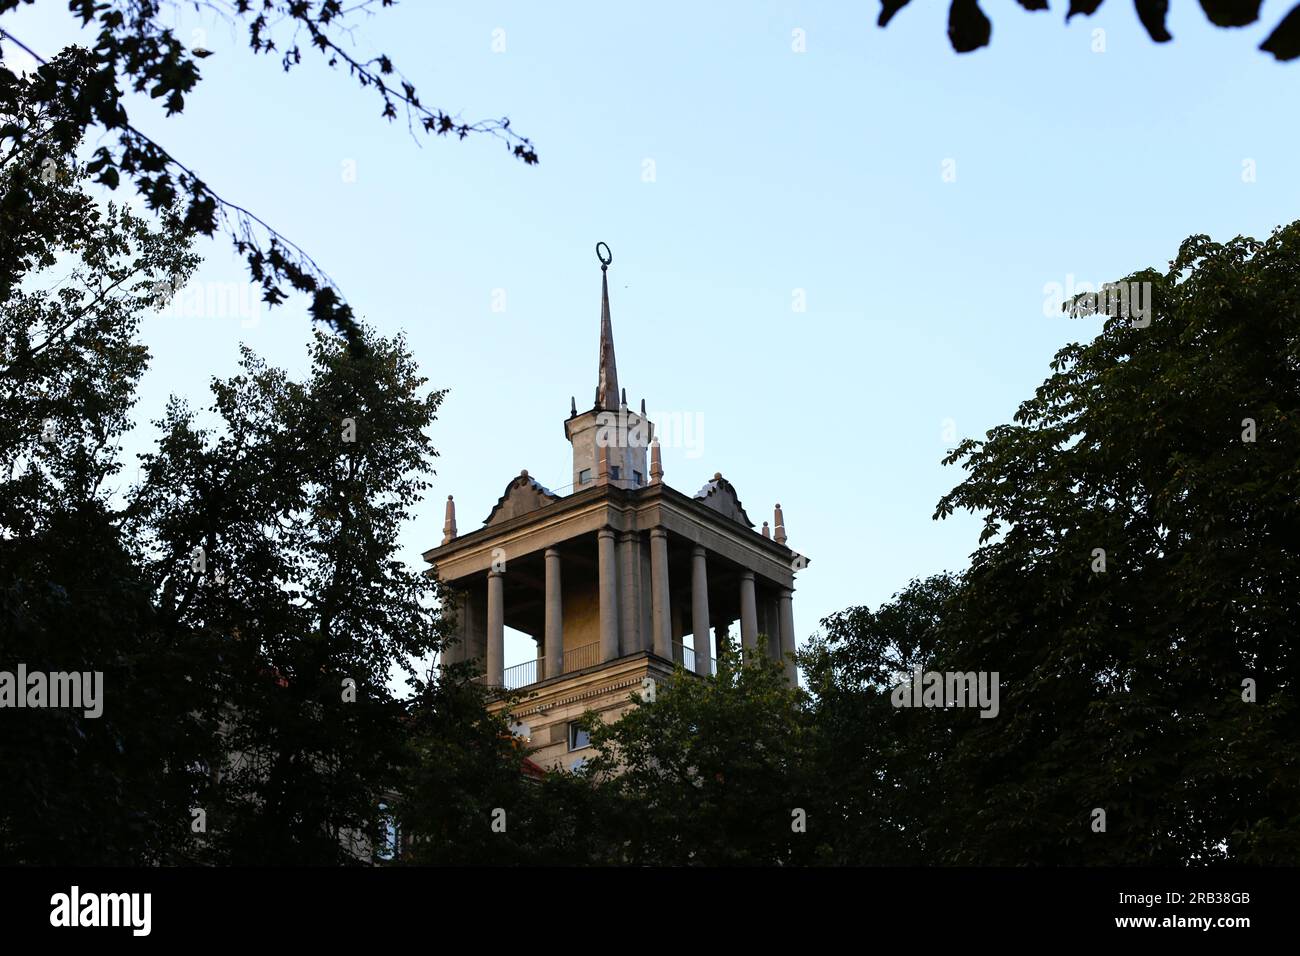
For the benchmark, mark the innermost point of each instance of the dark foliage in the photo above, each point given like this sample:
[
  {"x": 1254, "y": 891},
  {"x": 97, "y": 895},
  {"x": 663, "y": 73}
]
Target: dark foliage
[{"x": 969, "y": 29}]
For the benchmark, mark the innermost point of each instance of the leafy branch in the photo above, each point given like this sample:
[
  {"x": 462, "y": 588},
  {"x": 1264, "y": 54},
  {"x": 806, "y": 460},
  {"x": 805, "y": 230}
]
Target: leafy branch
[
  {"x": 969, "y": 28},
  {"x": 85, "y": 87}
]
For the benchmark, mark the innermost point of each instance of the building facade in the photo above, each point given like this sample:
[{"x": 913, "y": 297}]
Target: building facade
[{"x": 617, "y": 581}]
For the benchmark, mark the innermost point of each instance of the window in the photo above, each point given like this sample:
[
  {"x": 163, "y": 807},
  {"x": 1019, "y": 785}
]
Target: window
[
  {"x": 391, "y": 842},
  {"x": 614, "y": 472},
  {"x": 578, "y": 738},
  {"x": 584, "y": 476},
  {"x": 636, "y": 478}
]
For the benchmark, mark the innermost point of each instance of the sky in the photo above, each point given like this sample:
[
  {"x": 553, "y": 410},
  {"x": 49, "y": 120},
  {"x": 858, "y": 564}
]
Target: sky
[{"x": 836, "y": 248}]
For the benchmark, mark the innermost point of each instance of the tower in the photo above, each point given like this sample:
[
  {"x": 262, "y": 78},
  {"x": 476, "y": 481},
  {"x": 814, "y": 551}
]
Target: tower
[{"x": 618, "y": 580}]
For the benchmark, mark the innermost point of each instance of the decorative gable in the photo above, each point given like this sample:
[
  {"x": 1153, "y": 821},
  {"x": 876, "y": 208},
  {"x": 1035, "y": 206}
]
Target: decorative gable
[
  {"x": 521, "y": 496},
  {"x": 720, "y": 495}
]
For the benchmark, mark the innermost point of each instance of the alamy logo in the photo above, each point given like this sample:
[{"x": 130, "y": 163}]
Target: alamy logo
[
  {"x": 624, "y": 429},
  {"x": 950, "y": 689},
  {"x": 57, "y": 689},
  {"x": 1125, "y": 300},
  {"x": 102, "y": 909}
]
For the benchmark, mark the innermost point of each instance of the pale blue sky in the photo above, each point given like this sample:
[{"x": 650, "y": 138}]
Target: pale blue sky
[{"x": 773, "y": 171}]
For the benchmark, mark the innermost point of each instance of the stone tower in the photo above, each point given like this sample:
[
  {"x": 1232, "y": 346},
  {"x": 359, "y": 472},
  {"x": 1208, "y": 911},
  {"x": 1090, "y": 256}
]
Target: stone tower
[{"x": 616, "y": 581}]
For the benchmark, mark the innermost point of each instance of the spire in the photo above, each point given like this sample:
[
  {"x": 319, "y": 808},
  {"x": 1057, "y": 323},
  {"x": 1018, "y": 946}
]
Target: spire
[
  {"x": 449, "y": 526},
  {"x": 607, "y": 392},
  {"x": 779, "y": 532}
]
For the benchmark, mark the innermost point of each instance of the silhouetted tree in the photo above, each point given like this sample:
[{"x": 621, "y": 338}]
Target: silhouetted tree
[
  {"x": 242, "y": 598},
  {"x": 74, "y": 597},
  {"x": 969, "y": 28},
  {"x": 878, "y": 786},
  {"x": 1136, "y": 589},
  {"x": 278, "y": 527},
  {"x": 711, "y": 771}
]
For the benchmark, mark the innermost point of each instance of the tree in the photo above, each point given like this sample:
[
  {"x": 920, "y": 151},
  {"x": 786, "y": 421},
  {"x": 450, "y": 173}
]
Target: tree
[
  {"x": 880, "y": 787},
  {"x": 1139, "y": 520},
  {"x": 134, "y": 48},
  {"x": 243, "y": 600},
  {"x": 116, "y": 787},
  {"x": 711, "y": 772},
  {"x": 466, "y": 798},
  {"x": 969, "y": 28},
  {"x": 1135, "y": 589},
  {"x": 278, "y": 530}
]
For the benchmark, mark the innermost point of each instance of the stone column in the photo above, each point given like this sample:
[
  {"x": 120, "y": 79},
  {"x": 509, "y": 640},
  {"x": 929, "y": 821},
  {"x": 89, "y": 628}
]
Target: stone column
[
  {"x": 496, "y": 629},
  {"x": 553, "y": 636},
  {"x": 769, "y": 623},
  {"x": 700, "y": 610},
  {"x": 660, "y": 622},
  {"x": 748, "y": 613},
  {"x": 608, "y": 595},
  {"x": 630, "y": 603},
  {"x": 786, "y": 615},
  {"x": 645, "y": 625},
  {"x": 457, "y": 604}
]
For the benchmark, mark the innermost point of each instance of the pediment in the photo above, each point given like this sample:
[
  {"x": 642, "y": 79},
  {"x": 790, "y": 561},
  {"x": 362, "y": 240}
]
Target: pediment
[
  {"x": 720, "y": 495},
  {"x": 521, "y": 496}
]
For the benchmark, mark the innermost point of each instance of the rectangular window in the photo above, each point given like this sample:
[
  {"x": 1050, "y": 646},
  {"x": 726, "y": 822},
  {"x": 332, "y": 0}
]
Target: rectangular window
[
  {"x": 613, "y": 472},
  {"x": 578, "y": 738},
  {"x": 390, "y": 846},
  {"x": 636, "y": 478},
  {"x": 584, "y": 476}
]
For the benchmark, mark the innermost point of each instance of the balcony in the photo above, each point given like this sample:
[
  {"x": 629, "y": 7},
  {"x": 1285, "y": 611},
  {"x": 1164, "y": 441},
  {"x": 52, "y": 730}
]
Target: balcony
[
  {"x": 588, "y": 655},
  {"x": 684, "y": 654},
  {"x": 530, "y": 672}
]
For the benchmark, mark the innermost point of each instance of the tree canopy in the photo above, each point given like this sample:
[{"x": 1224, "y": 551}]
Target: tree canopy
[
  {"x": 1135, "y": 588},
  {"x": 969, "y": 28},
  {"x": 241, "y": 598}
]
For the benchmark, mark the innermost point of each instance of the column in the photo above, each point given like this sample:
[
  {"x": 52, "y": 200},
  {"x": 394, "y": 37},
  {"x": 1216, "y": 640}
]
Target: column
[
  {"x": 630, "y": 603},
  {"x": 748, "y": 613},
  {"x": 700, "y": 610},
  {"x": 663, "y": 641},
  {"x": 456, "y": 604},
  {"x": 608, "y": 595},
  {"x": 496, "y": 629},
  {"x": 645, "y": 624},
  {"x": 553, "y": 636},
  {"x": 786, "y": 615},
  {"x": 769, "y": 623}
]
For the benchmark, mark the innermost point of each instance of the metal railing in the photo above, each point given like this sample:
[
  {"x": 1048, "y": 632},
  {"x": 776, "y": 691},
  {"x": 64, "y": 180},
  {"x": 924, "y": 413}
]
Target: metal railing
[
  {"x": 588, "y": 655},
  {"x": 530, "y": 672},
  {"x": 684, "y": 654},
  {"x": 521, "y": 675}
]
